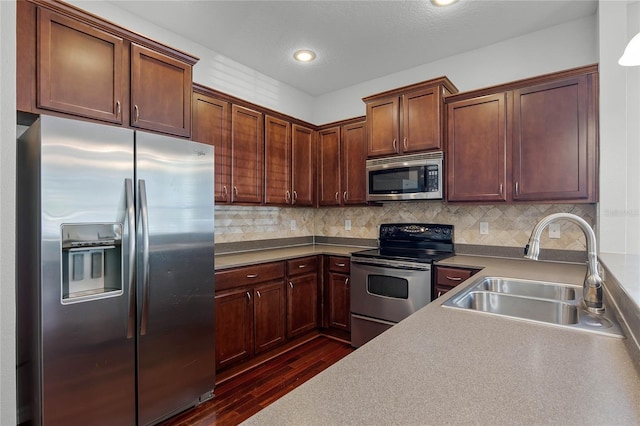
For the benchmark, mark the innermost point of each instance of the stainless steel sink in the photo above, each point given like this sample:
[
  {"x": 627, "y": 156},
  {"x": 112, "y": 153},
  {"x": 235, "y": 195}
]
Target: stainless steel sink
[
  {"x": 518, "y": 287},
  {"x": 556, "y": 304}
]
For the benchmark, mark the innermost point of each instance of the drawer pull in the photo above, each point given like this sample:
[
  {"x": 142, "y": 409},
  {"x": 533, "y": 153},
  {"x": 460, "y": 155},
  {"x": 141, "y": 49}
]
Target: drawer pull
[
  {"x": 252, "y": 275},
  {"x": 453, "y": 278},
  {"x": 341, "y": 265},
  {"x": 302, "y": 266}
]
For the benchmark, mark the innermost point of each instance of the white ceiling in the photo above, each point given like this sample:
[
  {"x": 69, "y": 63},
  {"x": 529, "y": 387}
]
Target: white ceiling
[{"x": 354, "y": 40}]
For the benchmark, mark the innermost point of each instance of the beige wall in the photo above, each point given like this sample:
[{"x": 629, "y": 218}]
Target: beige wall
[{"x": 509, "y": 225}]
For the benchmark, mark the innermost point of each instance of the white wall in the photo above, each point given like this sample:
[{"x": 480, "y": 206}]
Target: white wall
[
  {"x": 7, "y": 212},
  {"x": 214, "y": 70},
  {"x": 564, "y": 46},
  {"x": 619, "y": 213}
]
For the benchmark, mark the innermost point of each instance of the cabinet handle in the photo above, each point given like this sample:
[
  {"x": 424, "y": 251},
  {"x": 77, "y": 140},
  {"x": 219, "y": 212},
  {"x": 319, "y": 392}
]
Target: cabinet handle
[
  {"x": 500, "y": 189},
  {"x": 118, "y": 110},
  {"x": 249, "y": 296},
  {"x": 258, "y": 293},
  {"x": 337, "y": 197},
  {"x": 290, "y": 284},
  {"x": 404, "y": 144},
  {"x": 224, "y": 192},
  {"x": 517, "y": 189},
  {"x": 252, "y": 275},
  {"x": 346, "y": 282},
  {"x": 453, "y": 278},
  {"x": 295, "y": 196},
  {"x": 344, "y": 195},
  {"x": 439, "y": 293},
  {"x": 136, "y": 113},
  {"x": 395, "y": 145},
  {"x": 341, "y": 265},
  {"x": 287, "y": 196},
  {"x": 235, "y": 190},
  {"x": 302, "y": 266}
]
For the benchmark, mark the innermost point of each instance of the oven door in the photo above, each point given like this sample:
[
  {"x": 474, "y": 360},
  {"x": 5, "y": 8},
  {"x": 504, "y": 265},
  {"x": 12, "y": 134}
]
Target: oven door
[{"x": 389, "y": 290}]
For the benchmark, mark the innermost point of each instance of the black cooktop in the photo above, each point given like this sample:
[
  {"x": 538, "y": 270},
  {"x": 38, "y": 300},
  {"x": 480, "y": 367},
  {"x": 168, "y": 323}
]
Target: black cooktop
[{"x": 414, "y": 242}]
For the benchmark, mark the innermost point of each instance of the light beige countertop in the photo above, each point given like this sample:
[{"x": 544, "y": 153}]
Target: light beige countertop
[
  {"x": 446, "y": 366},
  {"x": 231, "y": 260}
]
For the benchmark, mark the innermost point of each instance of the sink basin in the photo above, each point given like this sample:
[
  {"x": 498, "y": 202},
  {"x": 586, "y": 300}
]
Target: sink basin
[
  {"x": 555, "y": 304},
  {"x": 518, "y": 287}
]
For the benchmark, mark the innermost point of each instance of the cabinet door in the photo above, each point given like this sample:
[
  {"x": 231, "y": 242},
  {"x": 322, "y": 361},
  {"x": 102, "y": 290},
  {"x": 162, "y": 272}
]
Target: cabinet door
[
  {"x": 269, "y": 311},
  {"x": 329, "y": 167},
  {"x": 477, "y": 143},
  {"x": 303, "y": 166},
  {"x": 234, "y": 326},
  {"x": 383, "y": 132},
  {"x": 551, "y": 149},
  {"x": 339, "y": 302},
  {"x": 277, "y": 159},
  {"x": 421, "y": 122},
  {"x": 302, "y": 304},
  {"x": 80, "y": 68},
  {"x": 211, "y": 122},
  {"x": 354, "y": 157},
  {"x": 247, "y": 155}
]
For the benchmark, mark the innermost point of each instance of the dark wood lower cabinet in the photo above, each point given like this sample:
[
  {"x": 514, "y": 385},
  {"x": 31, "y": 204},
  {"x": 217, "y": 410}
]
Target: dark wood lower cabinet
[
  {"x": 234, "y": 326},
  {"x": 339, "y": 302},
  {"x": 269, "y": 315},
  {"x": 445, "y": 278},
  {"x": 302, "y": 304}
]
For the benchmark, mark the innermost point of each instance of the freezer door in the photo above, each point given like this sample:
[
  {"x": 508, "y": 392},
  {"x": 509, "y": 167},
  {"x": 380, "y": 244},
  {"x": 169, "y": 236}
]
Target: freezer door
[
  {"x": 87, "y": 362},
  {"x": 176, "y": 326}
]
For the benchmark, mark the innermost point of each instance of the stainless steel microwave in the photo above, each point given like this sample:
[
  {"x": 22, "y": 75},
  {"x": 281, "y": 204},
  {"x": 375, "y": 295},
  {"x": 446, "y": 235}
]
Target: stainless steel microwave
[{"x": 405, "y": 177}]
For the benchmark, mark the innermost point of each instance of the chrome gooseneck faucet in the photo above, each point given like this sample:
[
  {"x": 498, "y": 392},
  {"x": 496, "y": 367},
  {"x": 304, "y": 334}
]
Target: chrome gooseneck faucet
[{"x": 592, "y": 287}]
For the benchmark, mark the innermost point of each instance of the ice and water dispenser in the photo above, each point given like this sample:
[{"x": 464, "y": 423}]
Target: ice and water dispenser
[{"x": 91, "y": 261}]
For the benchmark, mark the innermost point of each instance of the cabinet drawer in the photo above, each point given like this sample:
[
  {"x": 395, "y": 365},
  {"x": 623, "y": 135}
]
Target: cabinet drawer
[
  {"x": 302, "y": 265},
  {"x": 451, "y": 277},
  {"x": 339, "y": 264},
  {"x": 249, "y": 275}
]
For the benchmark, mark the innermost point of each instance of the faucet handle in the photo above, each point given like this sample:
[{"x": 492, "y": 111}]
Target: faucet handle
[{"x": 526, "y": 249}]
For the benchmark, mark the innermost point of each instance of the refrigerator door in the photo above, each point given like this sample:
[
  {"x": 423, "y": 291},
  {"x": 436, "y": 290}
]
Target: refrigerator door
[
  {"x": 176, "y": 326},
  {"x": 87, "y": 361}
]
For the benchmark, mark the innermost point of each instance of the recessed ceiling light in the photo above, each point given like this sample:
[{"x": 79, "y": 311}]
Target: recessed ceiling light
[
  {"x": 443, "y": 2},
  {"x": 304, "y": 55}
]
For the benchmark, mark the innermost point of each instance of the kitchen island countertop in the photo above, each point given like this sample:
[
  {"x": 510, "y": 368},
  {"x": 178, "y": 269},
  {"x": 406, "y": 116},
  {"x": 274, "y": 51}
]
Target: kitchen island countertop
[{"x": 446, "y": 366}]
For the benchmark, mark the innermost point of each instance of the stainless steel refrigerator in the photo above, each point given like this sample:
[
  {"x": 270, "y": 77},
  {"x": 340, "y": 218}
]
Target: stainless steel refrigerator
[{"x": 115, "y": 274}]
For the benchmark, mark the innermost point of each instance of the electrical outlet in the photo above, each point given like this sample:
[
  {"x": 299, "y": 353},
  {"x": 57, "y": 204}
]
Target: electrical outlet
[
  {"x": 294, "y": 225},
  {"x": 484, "y": 228},
  {"x": 347, "y": 225},
  {"x": 554, "y": 230}
]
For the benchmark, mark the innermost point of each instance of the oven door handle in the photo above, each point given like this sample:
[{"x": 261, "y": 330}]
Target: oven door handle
[{"x": 407, "y": 266}]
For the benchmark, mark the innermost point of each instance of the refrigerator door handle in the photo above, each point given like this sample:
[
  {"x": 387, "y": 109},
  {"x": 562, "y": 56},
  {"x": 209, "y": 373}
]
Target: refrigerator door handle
[
  {"x": 131, "y": 219},
  {"x": 144, "y": 215}
]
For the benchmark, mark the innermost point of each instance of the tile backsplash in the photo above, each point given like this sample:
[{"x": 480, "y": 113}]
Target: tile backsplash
[{"x": 509, "y": 225}]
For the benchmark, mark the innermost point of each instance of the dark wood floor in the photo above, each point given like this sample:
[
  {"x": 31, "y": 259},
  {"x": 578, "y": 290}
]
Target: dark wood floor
[{"x": 239, "y": 398}]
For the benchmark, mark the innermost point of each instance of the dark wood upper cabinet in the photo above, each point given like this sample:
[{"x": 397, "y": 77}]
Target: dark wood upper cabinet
[
  {"x": 277, "y": 159},
  {"x": 476, "y": 156},
  {"x": 408, "y": 119},
  {"x": 530, "y": 140},
  {"x": 353, "y": 163},
  {"x": 551, "y": 141},
  {"x": 71, "y": 62},
  {"x": 329, "y": 167},
  {"x": 211, "y": 125},
  {"x": 247, "y": 155},
  {"x": 160, "y": 92},
  {"x": 303, "y": 165},
  {"x": 80, "y": 68}
]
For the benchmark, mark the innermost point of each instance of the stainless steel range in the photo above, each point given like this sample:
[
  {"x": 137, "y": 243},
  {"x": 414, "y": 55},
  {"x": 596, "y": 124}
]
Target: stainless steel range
[{"x": 392, "y": 282}]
